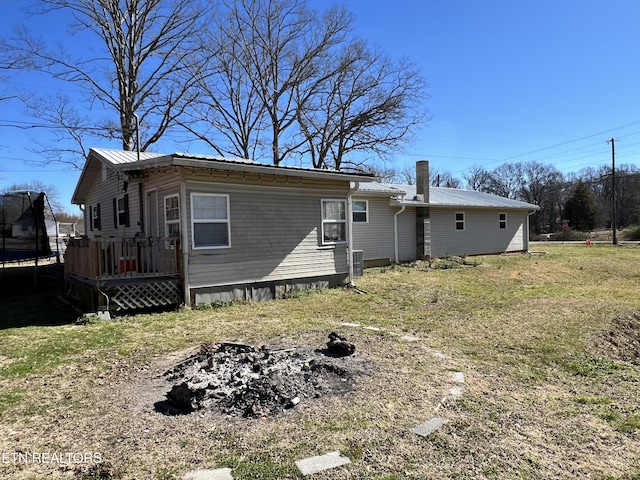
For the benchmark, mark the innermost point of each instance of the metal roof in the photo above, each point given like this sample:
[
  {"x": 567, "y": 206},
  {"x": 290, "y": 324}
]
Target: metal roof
[
  {"x": 127, "y": 161},
  {"x": 377, "y": 188},
  {"x": 445, "y": 197},
  {"x": 123, "y": 157}
]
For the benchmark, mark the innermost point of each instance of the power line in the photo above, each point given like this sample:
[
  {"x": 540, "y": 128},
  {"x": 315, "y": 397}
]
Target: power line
[{"x": 552, "y": 155}]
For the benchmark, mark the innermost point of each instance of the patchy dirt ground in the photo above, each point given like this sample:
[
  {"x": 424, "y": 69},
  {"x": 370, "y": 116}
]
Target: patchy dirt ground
[
  {"x": 622, "y": 341},
  {"x": 118, "y": 412}
]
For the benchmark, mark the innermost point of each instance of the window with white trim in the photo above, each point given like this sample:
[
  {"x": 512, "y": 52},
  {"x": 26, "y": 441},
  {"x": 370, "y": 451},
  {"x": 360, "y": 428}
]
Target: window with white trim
[
  {"x": 171, "y": 216},
  {"x": 121, "y": 211},
  {"x": 334, "y": 221},
  {"x": 94, "y": 213},
  {"x": 503, "y": 220},
  {"x": 360, "y": 210},
  {"x": 459, "y": 220},
  {"x": 210, "y": 225}
]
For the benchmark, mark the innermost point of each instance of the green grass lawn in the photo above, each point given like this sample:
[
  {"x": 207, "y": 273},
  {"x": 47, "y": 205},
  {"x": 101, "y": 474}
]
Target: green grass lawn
[{"x": 548, "y": 344}]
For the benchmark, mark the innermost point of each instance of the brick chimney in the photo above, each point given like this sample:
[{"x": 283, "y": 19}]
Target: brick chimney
[{"x": 423, "y": 222}]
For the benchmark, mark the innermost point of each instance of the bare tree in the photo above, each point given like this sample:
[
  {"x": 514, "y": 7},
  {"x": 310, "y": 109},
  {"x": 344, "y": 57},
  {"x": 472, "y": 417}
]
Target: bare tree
[
  {"x": 444, "y": 179},
  {"x": 505, "y": 180},
  {"x": 369, "y": 103},
  {"x": 229, "y": 115},
  {"x": 541, "y": 185},
  {"x": 408, "y": 175},
  {"x": 285, "y": 82},
  {"x": 477, "y": 178},
  {"x": 278, "y": 43},
  {"x": 145, "y": 44}
]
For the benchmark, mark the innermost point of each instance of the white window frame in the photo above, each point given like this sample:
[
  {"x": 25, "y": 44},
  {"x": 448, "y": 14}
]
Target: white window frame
[
  {"x": 502, "y": 220},
  {"x": 333, "y": 222},
  {"x": 365, "y": 211},
  {"x": 122, "y": 212},
  {"x": 95, "y": 217},
  {"x": 171, "y": 222},
  {"x": 195, "y": 221},
  {"x": 463, "y": 222}
]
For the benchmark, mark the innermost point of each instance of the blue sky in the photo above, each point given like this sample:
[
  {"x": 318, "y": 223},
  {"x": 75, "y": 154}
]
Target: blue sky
[{"x": 510, "y": 81}]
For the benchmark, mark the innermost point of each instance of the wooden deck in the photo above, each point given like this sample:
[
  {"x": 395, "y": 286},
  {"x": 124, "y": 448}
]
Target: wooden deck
[{"x": 121, "y": 275}]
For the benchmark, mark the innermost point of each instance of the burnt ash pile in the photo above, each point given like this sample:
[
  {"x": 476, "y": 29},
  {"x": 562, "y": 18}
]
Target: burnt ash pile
[{"x": 241, "y": 380}]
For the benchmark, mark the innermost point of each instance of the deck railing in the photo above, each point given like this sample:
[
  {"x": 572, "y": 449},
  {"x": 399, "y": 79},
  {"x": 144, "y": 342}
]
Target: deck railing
[{"x": 122, "y": 257}]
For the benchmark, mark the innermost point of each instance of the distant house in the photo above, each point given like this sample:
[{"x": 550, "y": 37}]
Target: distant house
[
  {"x": 183, "y": 228},
  {"x": 397, "y": 223}
]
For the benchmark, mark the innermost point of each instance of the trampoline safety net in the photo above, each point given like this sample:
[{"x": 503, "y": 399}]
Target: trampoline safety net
[{"x": 23, "y": 221}]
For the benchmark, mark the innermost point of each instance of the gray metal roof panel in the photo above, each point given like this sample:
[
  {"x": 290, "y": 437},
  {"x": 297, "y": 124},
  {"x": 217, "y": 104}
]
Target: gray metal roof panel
[
  {"x": 128, "y": 160},
  {"x": 456, "y": 197},
  {"x": 121, "y": 157},
  {"x": 379, "y": 188}
]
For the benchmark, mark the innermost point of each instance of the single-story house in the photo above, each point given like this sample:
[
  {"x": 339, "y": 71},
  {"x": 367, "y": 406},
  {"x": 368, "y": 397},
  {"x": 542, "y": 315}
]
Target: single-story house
[
  {"x": 181, "y": 228},
  {"x": 398, "y": 223},
  {"x": 166, "y": 229}
]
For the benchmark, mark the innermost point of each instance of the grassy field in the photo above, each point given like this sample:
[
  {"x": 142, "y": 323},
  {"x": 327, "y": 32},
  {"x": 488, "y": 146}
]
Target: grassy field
[{"x": 548, "y": 344}]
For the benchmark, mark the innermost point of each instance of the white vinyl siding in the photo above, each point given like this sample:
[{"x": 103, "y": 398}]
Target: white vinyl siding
[
  {"x": 275, "y": 234},
  {"x": 407, "y": 235},
  {"x": 480, "y": 235},
  {"x": 106, "y": 211},
  {"x": 375, "y": 237}
]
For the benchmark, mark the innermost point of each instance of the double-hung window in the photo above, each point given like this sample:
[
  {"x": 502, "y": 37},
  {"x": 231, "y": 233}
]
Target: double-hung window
[
  {"x": 210, "y": 226},
  {"x": 503, "y": 220},
  {"x": 360, "y": 211},
  {"x": 459, "y": 220},
  {"x": 334, "y": 221},
  {"x": 94, "y": 215},
  {"x": 121, "y": 211},
  {"x": 171, "y": 216}
]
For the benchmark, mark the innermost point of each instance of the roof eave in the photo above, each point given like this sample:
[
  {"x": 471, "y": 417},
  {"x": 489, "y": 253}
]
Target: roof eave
[
  {"x": 243, "y": 166},
  {"x": 78, "y": 195}
]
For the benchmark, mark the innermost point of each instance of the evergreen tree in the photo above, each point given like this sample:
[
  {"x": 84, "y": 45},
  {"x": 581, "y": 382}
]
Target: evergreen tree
[{"x": 580, "y": 210}]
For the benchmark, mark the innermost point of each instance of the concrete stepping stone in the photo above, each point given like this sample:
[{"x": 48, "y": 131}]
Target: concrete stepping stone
[
  {"x": 456, "y": 392},
  {"x": 410, "y": 338},
  {"x": 457, "y": 377},
  {"x": 217, "y": 474},
  {"x": 427, "y": 428},
  {"x": 353, "y": 325},
  {"x": 311, "y": 465}
]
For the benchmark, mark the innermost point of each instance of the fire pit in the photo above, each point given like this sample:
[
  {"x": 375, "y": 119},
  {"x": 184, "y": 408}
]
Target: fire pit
[{"x": 241, "y": 380}]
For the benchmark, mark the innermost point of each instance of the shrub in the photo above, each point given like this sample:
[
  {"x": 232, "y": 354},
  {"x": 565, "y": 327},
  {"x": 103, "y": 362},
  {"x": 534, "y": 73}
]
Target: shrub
[{"x": 631, "y": 233}]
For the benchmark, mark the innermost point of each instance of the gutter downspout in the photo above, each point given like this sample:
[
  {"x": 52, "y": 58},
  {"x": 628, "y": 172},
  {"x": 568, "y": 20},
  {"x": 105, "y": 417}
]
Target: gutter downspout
[
  {"x": 526, "y": 247},
  {"x": 185, "y": 243},
  {"x": 395, "y": 233},
  {"x": 82, "y": 207},
  {"x": 350, "y": 232}
]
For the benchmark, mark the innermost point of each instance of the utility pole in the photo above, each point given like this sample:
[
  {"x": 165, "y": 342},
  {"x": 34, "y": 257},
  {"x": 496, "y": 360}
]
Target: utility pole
[{"x": 614, "y": 224}]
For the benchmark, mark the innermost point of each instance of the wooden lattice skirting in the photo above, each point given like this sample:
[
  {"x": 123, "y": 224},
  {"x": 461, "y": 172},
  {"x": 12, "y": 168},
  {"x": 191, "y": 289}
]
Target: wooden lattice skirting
[{"x": 142, "y": 295}]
